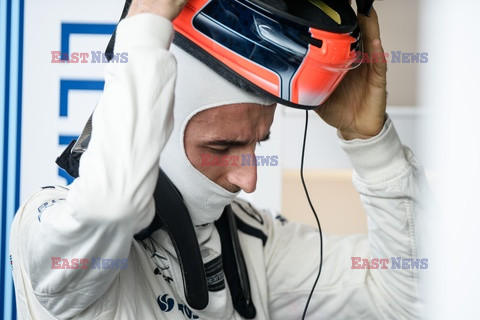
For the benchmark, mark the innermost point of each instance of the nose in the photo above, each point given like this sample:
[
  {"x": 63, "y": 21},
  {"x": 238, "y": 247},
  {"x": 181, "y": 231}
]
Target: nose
[{"x": 244, "y": 175}]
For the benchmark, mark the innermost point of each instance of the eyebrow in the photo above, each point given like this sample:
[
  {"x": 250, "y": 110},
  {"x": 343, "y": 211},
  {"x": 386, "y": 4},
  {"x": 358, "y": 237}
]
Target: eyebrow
[{"x": 226, "y": 142}]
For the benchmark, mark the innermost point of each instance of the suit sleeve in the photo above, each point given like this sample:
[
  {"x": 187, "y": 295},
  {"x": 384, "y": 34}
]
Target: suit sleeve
[
  {"x": 393, "y": 191},
  {"x": 112, "y": 198}
]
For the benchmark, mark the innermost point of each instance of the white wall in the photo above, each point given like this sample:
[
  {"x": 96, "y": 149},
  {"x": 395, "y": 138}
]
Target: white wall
[
  {"x": 449, "y": 89},
  {"x": 323, "y": 151}
]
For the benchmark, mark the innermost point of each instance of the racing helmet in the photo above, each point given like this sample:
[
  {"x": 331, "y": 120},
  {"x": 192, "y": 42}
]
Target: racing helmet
[{"x": 294, "y": 51}]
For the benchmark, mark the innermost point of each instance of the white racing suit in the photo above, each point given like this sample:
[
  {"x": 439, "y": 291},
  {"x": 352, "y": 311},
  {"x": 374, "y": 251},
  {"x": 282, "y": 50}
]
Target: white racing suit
[{"x": 74, "y": 255}]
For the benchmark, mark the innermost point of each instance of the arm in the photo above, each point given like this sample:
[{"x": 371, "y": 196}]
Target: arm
[
  {"x": 112, "y": 198},
  {"x": 392, "y": 187}
]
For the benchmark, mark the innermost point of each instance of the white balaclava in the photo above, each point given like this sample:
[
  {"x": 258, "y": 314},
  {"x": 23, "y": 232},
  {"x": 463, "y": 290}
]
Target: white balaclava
[{"x": 198, "y": 88}]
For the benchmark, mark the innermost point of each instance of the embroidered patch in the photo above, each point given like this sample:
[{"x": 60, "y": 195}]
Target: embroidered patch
[
  {"x": 215, "y": 275},
  {"x": 46, "y": 205}
]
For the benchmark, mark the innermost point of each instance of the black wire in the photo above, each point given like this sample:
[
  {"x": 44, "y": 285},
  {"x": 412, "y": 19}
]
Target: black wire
[{"x": 315, "y": 214}]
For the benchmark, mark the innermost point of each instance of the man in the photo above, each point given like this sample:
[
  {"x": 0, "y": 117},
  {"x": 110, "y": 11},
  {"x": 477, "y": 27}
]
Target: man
[{"x": 98, "y": 215}]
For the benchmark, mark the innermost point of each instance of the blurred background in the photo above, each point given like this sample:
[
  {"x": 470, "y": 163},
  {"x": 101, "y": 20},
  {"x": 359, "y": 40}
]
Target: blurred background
[{"x": 434, "y": 106}]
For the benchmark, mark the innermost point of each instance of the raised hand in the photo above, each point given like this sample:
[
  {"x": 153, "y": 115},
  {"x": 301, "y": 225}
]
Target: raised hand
[
  {"x": 169, "y": 9},
  {"x": 357, "y": 106}
]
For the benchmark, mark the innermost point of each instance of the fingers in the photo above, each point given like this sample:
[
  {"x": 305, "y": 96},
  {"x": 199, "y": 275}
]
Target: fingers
[
  {"x": 369, "y": 26},
  {"x": 373, "y": 47},
  {"x": 169, "y": 9}
]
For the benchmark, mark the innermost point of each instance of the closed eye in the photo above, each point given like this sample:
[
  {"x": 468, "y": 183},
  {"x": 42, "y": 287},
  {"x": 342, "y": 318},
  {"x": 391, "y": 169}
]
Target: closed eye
[
  {"x": 223, "y": 146},
  {"x": 219, "y": 149}
]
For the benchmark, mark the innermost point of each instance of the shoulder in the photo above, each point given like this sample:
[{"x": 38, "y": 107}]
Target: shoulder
[
  {"x": 255, "y": 222},
  {"x": 27, "y": 225},
  {"x": 40, "y": 201},
  {"x": 248, "y": 213}
]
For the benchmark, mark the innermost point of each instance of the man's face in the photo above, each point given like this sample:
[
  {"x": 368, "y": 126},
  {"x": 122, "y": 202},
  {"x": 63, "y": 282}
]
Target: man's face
[{"x": 216, "y": 139}]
